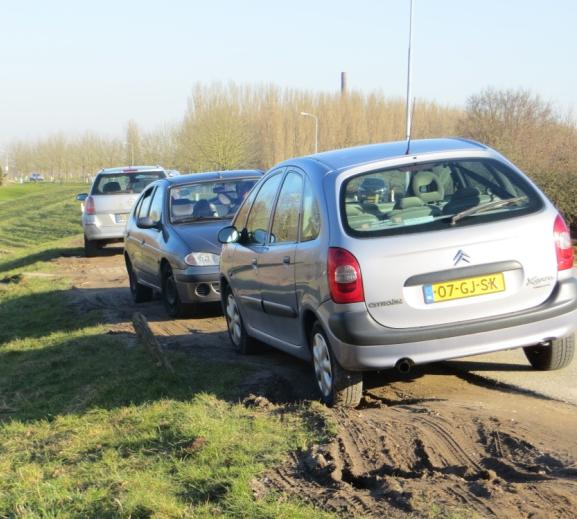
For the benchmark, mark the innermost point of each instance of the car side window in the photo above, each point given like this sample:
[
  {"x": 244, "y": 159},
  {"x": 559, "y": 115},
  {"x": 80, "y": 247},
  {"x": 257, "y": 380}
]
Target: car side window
[
  {"x": 311, "y": 219},
  {"x": 155, "y": 212},
  {"x": 285, "y": 227},
  {"x": 240, "y": 220},
  {"x": 258, "y": 219},
  {"x": 144, "y": 204}
]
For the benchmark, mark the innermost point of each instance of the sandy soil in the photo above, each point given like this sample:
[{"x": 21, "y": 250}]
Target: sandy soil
[{"x": 425, "y": 446}]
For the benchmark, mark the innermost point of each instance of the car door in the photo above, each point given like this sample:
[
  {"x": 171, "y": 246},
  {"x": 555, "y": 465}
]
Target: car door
[
  {"x": 133, "y": 240},
  {"x": 276, "y": 263},
  {"x": 244, "y": 276},
  {"x": 153, "y": 239}
]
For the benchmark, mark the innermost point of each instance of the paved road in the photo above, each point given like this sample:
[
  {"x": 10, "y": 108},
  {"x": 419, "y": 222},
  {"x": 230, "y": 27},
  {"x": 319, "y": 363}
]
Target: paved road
[{"x": 511, "y": 367}]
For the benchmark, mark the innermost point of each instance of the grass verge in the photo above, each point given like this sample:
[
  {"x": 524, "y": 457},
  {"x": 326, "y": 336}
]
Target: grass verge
[{"x": 91, "y": 427}]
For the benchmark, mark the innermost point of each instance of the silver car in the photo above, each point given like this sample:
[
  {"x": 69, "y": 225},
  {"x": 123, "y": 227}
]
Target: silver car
[
  {"x": 170, "y": 244},
  {"x": 105, "y": 209},
  {"x": 459, "y": 254}
]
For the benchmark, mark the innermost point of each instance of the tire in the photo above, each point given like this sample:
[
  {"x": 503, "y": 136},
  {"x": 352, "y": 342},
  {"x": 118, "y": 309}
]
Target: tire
[
  {"x": 242, "y": 342},
  {"x": 91, "y": 248},
  {"x": 338, "y": 387},
  {"x": 556, "y": 356},
  {"x": 174, "y": 307},
  {"x": 140, "y": 293}
]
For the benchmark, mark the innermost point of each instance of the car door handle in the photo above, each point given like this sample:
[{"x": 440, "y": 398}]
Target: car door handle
[{"x": 286, "y": 260}]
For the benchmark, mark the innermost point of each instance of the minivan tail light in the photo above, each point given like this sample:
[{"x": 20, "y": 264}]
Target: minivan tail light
[
  {"x": 563, "y": 246},
  {"x": 89, "y": 205},
  {"x": 344, "y": 276}
]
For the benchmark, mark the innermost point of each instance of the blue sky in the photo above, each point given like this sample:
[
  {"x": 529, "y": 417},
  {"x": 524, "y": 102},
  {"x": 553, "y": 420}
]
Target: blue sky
[{"x": 73, "y": 66}]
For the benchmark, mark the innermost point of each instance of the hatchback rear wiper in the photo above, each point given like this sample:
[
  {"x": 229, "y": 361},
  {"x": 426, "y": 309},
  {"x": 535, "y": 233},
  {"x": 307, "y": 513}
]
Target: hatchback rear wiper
[{"x": 485, "y": 207}]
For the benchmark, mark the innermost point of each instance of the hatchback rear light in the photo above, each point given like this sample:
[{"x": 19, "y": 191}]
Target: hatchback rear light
[
  {"x": 89, "y": 205},
  {"x": 344, "y": 276},
  {"x": 563, "y": 246}
]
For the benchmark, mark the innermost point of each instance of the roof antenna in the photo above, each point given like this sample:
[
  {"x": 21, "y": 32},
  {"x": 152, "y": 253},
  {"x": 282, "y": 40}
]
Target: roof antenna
[{"x": 409, "y": 103}]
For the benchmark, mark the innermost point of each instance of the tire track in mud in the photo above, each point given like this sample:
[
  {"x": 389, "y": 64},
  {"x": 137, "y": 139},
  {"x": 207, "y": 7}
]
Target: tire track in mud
[
  {"x": 399, "y": 462},
  {"x": 419, "y": 447}
]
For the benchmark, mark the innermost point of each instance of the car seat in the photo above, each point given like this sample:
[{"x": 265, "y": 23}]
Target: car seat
[
  {"x": 181, "y": 207},
  {"x": 427, "y": 186},
  {"x": 203, "y": 209},
  {"x": 111, "y": 187}
]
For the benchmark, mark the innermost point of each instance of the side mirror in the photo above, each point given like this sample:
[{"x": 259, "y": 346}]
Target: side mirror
[
  {"x": 81, "y": 197},
  {"x": 228, "y": 234},
  {"x": 147, "y": 223}
]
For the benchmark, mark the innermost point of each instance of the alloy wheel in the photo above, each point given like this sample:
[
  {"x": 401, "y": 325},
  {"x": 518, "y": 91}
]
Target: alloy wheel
[
  {"x": 233, "y": 320},
  {"x": 322, "y": 364}
]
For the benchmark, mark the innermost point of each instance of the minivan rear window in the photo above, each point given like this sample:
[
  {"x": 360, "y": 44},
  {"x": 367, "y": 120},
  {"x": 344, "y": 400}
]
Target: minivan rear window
[
  {"x": 420, "y": 197},
  {"x": 124, "y": 183}
]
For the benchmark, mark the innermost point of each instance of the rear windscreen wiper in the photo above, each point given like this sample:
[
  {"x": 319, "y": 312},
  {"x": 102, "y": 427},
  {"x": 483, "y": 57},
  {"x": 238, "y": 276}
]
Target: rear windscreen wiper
[{"x": 485, "y": 207}]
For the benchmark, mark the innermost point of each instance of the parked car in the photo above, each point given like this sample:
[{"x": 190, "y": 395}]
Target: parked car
[
  {"x": 374, "y": 189},
  {"x": 171, "y": 243},
  {"x": 113, "y": 193},
  {"x": 36, "y": 177},
  {"x": 470, "y": 258}
]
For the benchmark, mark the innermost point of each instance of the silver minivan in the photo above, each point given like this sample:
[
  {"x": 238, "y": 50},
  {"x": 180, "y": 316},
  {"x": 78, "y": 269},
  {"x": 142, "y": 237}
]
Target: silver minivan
[
  {"x": 105, "y": 209},
  {"x": 457, "y": 253}
]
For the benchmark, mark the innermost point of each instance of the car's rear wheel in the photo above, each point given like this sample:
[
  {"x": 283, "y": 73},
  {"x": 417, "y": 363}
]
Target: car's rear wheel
[
  {"x": 557, "y": 355},
  {"x": 91, "y": 247},
  {"x": 140, "y": 293},
  {"x": 172, "y": 303},
  {"x": 338, "y": 386},
  {"x": 242, "y": 342}
]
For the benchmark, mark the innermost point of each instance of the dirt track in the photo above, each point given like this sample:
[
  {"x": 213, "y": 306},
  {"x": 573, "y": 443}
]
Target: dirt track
[{"x": 439, "y": 441}]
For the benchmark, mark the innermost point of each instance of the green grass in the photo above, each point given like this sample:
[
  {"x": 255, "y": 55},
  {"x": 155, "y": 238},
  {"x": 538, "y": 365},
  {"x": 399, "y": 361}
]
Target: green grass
[
  {"x": 37, "y": 214},
  {"x": 90, "y": 426}
]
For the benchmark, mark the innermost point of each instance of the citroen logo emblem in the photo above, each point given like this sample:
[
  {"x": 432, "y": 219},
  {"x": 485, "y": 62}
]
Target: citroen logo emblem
[{"x": 461, "y": 256}]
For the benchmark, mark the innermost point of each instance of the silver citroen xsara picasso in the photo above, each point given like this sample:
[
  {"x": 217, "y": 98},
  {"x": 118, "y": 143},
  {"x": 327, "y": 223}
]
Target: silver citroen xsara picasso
[{"x": 456, "y": 253}]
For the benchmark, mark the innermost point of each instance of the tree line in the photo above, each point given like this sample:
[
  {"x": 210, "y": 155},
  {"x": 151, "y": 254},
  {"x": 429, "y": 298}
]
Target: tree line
[{"x": 229, "y": 126}]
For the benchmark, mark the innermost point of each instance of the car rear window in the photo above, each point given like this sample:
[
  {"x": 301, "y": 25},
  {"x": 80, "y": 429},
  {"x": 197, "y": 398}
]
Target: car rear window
[
  {"x": 434, "y": 195},
  {"x": 124, "y": 183},
  {"x": 208, "y": 200}
]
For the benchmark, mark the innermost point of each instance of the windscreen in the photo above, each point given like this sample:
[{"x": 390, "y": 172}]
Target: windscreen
[
  {"x": 208, "y": 200},
  {"x": 124, "y": 183},
  {"x": 434, "y": 195}
]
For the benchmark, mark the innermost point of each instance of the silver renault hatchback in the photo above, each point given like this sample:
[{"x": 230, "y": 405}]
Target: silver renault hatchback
[{"x": 457, "y": 253}]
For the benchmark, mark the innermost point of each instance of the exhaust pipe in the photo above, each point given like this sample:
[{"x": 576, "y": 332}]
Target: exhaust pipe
[{"x": 404, "y": 366}]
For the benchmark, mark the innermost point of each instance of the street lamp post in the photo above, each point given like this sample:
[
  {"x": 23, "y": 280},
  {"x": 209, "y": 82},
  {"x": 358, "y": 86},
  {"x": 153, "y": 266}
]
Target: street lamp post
[{"x": 306, "y": 114}]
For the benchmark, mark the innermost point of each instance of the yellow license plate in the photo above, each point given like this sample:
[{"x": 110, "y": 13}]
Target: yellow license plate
[{"x": 466, "y": 287}]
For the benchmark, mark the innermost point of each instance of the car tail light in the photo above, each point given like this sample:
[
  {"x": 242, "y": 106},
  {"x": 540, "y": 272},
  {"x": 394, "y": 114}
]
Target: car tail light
[
  {"x": 344, "y": 276},
  {"x": 89, "y": 205},
  {"x": 563, "y": 245}
]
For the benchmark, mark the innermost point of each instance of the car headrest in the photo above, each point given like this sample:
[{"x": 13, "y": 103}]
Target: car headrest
[
  {"x": 181, "y": 207},
  {"x": 427, "y": 187},
  {"x": 111, "y": 187}
]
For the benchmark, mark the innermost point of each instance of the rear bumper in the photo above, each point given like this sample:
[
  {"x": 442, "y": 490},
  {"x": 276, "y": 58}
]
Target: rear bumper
[
  {"x": 198, "y": 284},
  {"x": 103, "y": 232},
  {"x": 359, "y": 342}
]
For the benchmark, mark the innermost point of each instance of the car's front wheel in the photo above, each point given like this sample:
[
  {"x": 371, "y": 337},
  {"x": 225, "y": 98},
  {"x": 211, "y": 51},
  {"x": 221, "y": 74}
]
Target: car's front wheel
[
  {"x": 172, "y": 303},
  {"x": 338, "y": 386},
  {"x": 557, "y": 355},
  {"x": 242, "y": 342}
]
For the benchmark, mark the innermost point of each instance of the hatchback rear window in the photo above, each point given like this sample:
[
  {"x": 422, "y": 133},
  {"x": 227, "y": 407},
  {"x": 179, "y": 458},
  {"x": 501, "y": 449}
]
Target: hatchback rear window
[
  {"x": 124, "y": 183},
  {"x": 434, "y": 195}
]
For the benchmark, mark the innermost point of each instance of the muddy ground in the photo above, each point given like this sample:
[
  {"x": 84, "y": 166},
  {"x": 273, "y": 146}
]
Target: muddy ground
[{"x": 440, "y": 443}]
